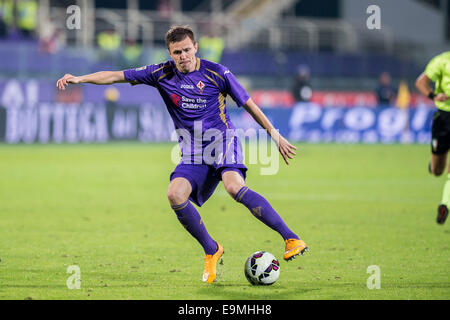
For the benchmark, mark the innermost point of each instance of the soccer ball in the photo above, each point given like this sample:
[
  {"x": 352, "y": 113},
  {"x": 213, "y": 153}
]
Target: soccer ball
[{"x": 262, "y": 268}]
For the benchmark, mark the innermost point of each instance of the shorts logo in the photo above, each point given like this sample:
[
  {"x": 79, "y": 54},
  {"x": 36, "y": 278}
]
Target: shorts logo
[
  {"x": 141, "y": 68},
  {"x": 175, "y": 99},
  {"x": 200, "y": 85},
  {"x": 434, "y": 144}
]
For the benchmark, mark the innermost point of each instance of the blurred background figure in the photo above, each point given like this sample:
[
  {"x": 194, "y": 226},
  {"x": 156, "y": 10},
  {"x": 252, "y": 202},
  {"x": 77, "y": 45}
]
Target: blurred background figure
[
  {"x": 211, "y": 45},
  {"x": 301, "y": 89},
  {"x": 131, "y": 55},
  {"x": 18, "y": 19},
  {"x": 6, "y": 17},
  {"x": 164, "y": 8},
  {"x": 109, "y": 42},
  {"x": 164, "y": 12},
  {"x": 27, "y": 17},
  {"x": 385, "y": 91},
  {"x": 51, "y": 40}
]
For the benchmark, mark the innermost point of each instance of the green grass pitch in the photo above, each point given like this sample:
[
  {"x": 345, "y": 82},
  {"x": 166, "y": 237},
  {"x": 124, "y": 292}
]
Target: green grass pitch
[{"x": 104, "y": 209}]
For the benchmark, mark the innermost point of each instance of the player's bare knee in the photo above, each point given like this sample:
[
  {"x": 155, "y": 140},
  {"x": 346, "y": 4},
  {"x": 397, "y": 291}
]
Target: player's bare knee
[
  {"x": 232, "y": 189},
  {"x": 176, "y": 196}
]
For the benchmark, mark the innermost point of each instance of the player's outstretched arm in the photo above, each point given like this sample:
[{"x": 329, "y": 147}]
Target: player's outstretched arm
[
  {"x": 423, "y": 85},
  {"x": 286, "y": 149},
  {"x": 102, "y": 77}
]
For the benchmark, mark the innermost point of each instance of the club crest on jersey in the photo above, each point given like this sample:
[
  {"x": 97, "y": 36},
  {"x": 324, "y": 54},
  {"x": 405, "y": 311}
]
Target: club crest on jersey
[{"x": 200, "y": 86}]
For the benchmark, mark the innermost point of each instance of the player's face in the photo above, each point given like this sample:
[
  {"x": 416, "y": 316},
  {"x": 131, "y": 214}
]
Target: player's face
[{"x": 183, "y": 53}]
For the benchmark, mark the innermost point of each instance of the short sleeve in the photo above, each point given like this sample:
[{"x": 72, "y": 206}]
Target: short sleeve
[
  {"x": 434, "y": 68},
  {"x": 144, "y": 75},
  {"x": 234, "y": 89}
]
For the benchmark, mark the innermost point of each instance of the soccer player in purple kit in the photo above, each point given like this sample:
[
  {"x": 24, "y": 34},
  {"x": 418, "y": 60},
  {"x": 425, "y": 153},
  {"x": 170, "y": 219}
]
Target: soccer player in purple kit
[{"x": 194, "y": 92}]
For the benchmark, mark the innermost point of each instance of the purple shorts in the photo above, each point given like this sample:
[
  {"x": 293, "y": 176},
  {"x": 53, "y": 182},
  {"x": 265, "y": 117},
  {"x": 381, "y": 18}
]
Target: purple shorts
[
  {"x": 206, "y": 175},
  {"x": 204, "y": 178}
]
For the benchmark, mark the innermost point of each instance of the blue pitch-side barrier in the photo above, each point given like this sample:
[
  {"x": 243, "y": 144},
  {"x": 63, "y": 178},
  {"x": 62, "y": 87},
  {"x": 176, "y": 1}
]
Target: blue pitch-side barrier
[
  {"x": 29, "y": 113},
  {"x": 150, "y": 122}
]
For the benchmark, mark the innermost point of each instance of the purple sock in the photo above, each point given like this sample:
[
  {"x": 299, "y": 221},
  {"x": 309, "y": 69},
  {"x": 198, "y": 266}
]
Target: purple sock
[
  {"x": 264, "y": 212},
  {"x": 191, "y": 220}
]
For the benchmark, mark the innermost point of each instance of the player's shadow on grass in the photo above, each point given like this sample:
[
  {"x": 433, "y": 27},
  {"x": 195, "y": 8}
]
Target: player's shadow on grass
[{"x": 234, "y": 291}]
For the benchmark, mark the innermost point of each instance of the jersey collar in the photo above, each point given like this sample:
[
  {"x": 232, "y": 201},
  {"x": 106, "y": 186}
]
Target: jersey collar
[{"x": 197, "y": 67}]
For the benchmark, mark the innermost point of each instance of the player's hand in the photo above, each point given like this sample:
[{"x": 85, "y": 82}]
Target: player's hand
[
  {"x": 286, "y": 149},
  {"x": 62, "y": 83},
  {"x": 441, "y": 97}
]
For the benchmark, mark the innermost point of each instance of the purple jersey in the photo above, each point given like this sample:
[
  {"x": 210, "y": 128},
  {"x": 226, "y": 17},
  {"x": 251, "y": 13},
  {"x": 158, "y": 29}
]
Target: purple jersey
[{"x": 195, "y": 100}]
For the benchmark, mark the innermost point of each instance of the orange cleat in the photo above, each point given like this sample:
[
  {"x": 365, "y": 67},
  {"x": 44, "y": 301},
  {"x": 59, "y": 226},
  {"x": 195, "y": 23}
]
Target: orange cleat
[
  {"x": 209, "y": 274},
  {"x": 294, "y": 247}
]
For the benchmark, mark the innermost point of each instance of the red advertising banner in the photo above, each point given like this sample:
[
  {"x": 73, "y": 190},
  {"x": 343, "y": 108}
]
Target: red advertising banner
[{"x": 283, "y": 98}]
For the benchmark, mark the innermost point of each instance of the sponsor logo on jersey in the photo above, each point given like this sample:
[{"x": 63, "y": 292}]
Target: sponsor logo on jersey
[
  {"x": 175, "y": 99},
  {"x": 187, "y": 86},
  {"x": 190, "y": 103}
]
